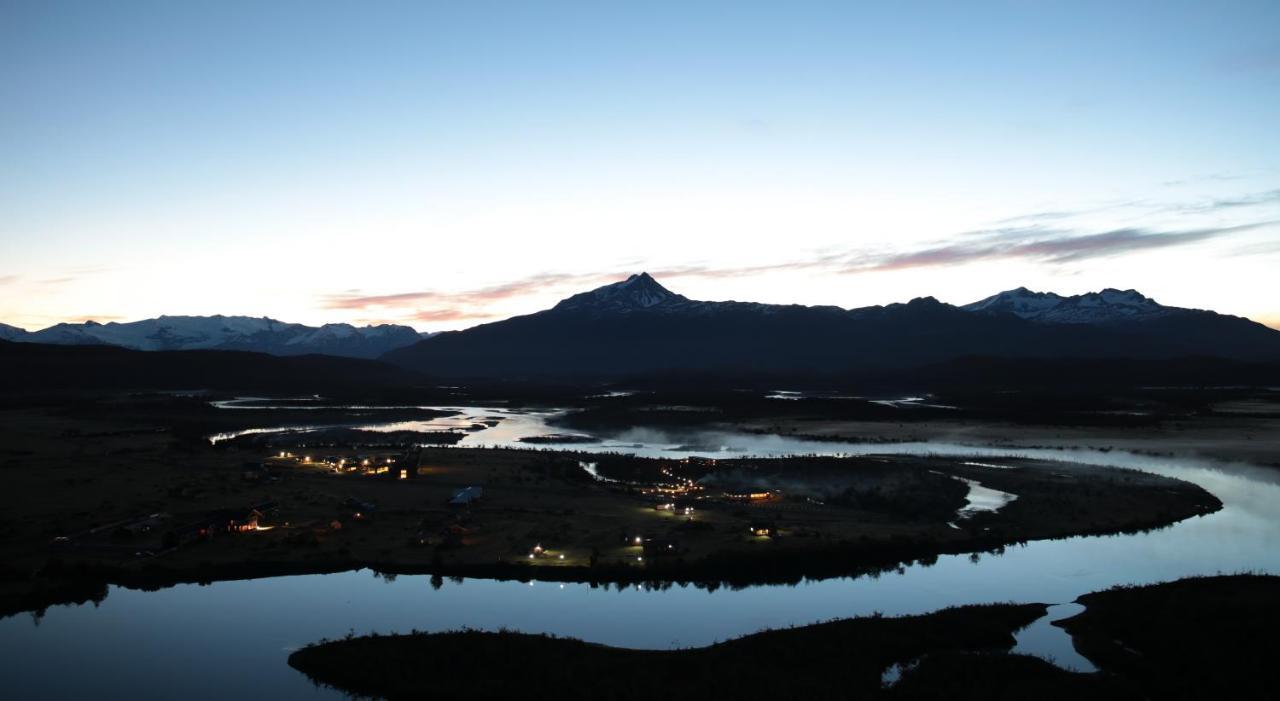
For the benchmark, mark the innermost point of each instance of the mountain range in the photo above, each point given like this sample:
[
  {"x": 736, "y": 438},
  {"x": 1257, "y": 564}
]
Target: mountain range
[
  {"x": 638, "y": 327},
  {"x": 1107, "y": 306},
  {"x": 244, "y": 333}
]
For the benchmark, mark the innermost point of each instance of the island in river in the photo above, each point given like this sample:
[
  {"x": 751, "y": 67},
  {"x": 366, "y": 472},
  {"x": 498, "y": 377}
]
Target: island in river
[
  {"x": 1193, "y": 638},
  {"x": 141, "y": 503}
]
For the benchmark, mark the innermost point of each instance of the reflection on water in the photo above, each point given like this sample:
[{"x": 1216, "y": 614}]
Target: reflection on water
[
  {"x": 981, "y": 498},
  {"x": 1051, "y": 642},
  {"x": 231, "y": 638}
]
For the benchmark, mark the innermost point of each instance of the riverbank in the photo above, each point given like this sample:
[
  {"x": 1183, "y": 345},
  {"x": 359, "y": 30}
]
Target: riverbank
[
  {"x": 843, "y": 659},
  {"x": 1206, "y": 637},
  {"x": 869, "y": 522},
  {"x": 1192, "y": 638}
]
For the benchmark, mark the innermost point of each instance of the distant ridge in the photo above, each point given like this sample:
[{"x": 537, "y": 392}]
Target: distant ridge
[
  {"x": 637, "y": 327},
  {"x": 37, "y": 367},
  {"x": 219, "y": 332},
  {"x": 1103, "y": 307}
]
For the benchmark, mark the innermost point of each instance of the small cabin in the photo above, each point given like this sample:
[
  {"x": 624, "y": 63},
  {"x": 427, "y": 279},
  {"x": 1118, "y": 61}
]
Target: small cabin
[{"x": 763, "y": 529}]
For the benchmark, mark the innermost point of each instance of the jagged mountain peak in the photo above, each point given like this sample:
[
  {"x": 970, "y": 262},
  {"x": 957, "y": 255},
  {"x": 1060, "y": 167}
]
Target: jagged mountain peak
[
  {"x": 639, "y": 291},
  {"x": 1114, "y": 296},
  {"x": 1104, "y": 306}
]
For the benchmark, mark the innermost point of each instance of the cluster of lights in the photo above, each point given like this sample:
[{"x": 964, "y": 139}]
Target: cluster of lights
[
  {"x": 749, "y": 496},
  {"x": 671, "y": 506},
  {"x": 673, "y": 489},
  {"x": 539, "y": 551}
]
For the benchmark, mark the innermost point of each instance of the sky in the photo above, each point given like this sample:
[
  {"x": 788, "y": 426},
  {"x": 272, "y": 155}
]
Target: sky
[{"x": 447, "y": 164}]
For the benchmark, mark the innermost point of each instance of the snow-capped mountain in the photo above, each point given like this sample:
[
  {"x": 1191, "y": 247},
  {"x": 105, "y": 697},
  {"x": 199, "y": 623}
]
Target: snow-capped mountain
[
  {"x": 638, "y": 327},
  {"x": 228, "y": 333},
  {"x": 641, "y": 294},
  {"x": 635, "y": 293},
  {"x": 1107, "y": 306}
]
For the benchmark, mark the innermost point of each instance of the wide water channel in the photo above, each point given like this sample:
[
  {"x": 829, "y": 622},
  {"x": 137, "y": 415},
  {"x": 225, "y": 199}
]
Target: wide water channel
[{"x": 232, "y": 638}]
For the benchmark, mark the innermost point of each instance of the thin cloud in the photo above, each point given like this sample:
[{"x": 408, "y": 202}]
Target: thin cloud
[
  {"x": 63, "y": 277},
  {"x": 1041, "y": 246},
  {"x": 825, "y": 260},
  {"x": 1225, "y": 203},
  {"x": 1034, "y": 243},
  {"x": 1036, "y": 218},
  {"x": 1042, "y": 216},
  {"x": 480, "y": 296},
  {"x": 1209, "y": 177},
  {"x": 1264, "y": 248},
  {"x": 449, "y": 314}
]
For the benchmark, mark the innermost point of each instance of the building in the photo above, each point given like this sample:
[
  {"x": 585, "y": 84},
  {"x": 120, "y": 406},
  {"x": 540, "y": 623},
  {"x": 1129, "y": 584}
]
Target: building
[
  {"x": 751, "y": 495},
  {"x": 763, "y": 529}
]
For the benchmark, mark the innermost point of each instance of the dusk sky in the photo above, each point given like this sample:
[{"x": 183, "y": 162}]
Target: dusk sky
[{"x": 445, "y": 165}]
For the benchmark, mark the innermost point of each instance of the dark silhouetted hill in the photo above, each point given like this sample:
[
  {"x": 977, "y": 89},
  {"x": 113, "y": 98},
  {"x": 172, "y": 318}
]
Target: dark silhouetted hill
[
  {"x": 639, "y": 328},
  {"x": 43, "y": 367}
]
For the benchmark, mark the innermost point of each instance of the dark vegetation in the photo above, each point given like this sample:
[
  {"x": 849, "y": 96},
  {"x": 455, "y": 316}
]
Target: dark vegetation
[
  {"x": 1201, "y": 638},
  {"x": 1067, "y": 391},
  {"x": 1196, "y": 638},
  {"x": 342, "y": 436},
  {"x": 190, "y": 418},
  {"x": 1072, "y": 404},
  {"x": 41, "y": 369},
  {"x": 557, "y": 438},
  {"x": 842, "y": 659}
]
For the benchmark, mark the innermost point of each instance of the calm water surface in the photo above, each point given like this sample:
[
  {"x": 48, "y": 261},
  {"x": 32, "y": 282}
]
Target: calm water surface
[{"x": 232, "y": 638}]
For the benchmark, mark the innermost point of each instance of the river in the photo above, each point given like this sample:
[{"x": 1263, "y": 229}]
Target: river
[{"x": 232, "y": 638}]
